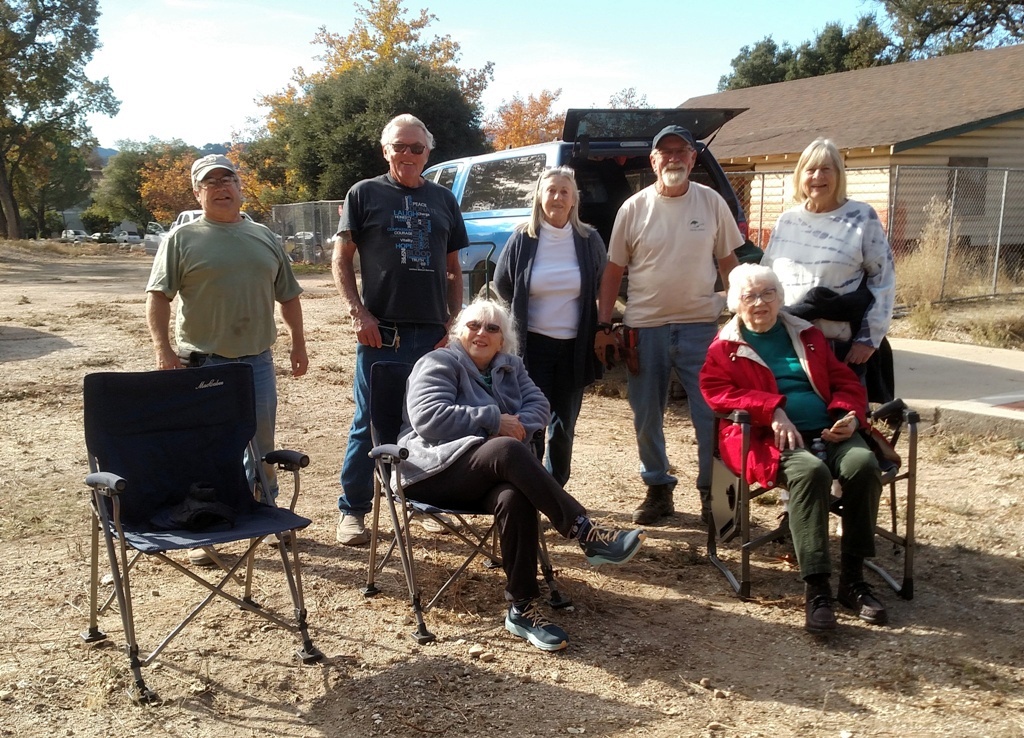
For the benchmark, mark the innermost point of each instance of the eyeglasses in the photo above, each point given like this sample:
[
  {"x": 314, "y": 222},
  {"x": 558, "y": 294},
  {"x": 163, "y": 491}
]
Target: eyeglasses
[
  {"x": 401, "y": 148},
  {"x": 474, "y": 326},
  {"x": 212, "y": 182},
  {"x": 766, "y": 296},
  {"x": 670, "y": 153}
]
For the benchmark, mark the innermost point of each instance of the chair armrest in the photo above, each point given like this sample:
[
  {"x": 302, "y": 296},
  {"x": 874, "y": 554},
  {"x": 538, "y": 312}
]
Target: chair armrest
[
  {"x": 889, "y": 410},
  {"x": 389, "y": 449},
  {"x": 736, "y": 416},
  {"x": 106, "y": 483},
  {"x": 287, "y": 460}
]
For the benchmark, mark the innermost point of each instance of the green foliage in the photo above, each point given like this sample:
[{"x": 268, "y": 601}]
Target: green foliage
[
  {"x": 764, "y": 63},
  {"x": 53, "y": 175},
  {"x": 52, "y": 224},
  {"x": 45, "y": 93},
  {"x": 96, "y": 222},
  {"x": 119, "y": 196},
  {"x": 334, "y": 140},
  {"x": 833, "y": 50},
  {"x": 930, "y": 28}
]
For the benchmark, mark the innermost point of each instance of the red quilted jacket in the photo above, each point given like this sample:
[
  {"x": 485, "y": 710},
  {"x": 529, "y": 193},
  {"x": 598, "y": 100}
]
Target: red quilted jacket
[{"x": 734, "y": 377}]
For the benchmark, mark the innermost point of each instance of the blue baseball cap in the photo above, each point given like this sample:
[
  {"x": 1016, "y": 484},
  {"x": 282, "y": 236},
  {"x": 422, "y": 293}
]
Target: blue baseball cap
[{"x": 675, "y": 131}]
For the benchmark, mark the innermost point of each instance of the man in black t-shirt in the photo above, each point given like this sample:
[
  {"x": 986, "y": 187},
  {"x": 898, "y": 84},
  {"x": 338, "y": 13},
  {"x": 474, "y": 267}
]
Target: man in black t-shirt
[{"x": 407, "y": 232}]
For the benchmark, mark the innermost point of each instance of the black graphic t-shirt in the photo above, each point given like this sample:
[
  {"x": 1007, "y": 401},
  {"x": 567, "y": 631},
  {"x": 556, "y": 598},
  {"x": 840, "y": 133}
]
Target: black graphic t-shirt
[{"x": 404, "y": 236}]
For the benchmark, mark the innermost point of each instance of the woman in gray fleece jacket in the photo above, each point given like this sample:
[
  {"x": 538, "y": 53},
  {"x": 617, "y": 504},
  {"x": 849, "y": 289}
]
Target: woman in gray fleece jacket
[{"x": 470, "y": 412}]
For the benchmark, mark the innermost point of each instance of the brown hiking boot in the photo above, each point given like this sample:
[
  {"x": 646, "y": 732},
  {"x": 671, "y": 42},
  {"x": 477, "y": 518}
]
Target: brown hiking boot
[{"x": 656, "y": 505}]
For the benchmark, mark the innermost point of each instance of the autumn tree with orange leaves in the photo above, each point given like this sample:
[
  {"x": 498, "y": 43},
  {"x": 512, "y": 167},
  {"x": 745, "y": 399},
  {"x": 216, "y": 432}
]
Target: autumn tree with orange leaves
[
  {"x": 165, "y": 180},
  {"x": 520, "y": 122}
]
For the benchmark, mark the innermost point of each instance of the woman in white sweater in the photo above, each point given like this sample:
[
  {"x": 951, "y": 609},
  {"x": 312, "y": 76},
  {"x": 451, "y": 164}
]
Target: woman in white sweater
[
  {"x": 829, "y": 241},
  {"x": 549, "y": 272}
]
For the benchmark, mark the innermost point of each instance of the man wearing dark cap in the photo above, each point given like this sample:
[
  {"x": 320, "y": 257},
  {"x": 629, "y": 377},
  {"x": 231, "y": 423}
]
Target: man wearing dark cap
[
  {"x": 674, "y": 236},
  {"x": 227, "y": 273}
]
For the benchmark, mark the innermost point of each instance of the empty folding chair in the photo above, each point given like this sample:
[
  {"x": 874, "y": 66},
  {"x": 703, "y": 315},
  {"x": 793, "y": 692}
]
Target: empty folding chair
[
  {"x": 167, "y": 474},
  {"x": 731, "y": 497},
  {"x": 387, "y": 399}
]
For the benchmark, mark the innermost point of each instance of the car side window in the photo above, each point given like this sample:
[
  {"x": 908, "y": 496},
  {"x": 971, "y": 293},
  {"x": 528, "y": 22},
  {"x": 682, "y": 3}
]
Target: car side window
[
  {"x": 502, "y": 184},
  {"x": 446, "y": 177}
]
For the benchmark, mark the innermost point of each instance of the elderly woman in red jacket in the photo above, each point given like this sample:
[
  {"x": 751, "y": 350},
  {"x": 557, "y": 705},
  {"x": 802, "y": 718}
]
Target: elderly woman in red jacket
[{"x": 780, "y": 369}]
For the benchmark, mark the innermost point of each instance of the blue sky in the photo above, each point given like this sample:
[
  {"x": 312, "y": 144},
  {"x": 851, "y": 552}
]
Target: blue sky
[{"x": 191, "y": 69}]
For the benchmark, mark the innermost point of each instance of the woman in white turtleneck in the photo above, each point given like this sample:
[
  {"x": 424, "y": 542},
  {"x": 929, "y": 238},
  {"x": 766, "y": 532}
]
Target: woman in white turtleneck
[{"x": 549, "y": 272}]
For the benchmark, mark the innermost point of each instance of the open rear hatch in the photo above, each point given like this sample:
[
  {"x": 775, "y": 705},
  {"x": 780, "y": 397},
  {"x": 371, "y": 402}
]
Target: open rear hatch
[{"x": 636, "y": 125}]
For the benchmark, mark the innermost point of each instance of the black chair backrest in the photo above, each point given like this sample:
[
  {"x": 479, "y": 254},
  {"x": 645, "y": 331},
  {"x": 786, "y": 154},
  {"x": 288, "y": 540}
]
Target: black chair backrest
[
  {"x": 387, "y": 400},
  {"x": 163, "y": 431}
]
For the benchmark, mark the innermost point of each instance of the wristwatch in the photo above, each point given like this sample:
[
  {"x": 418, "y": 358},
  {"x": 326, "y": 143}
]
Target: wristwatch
[{"x": 605, "y": 328}]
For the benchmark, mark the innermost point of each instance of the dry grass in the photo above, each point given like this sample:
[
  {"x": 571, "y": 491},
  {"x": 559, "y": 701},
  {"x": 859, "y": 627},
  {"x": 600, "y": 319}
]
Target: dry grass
[{"x": 921, "y": 271}]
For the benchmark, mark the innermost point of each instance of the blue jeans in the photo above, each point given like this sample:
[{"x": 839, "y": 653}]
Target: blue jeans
[
  {"x": 683, "y": 347},
  {"x": 549, "y": 362},
  {"x": 415, "y": 340},
  {"x": 266, "y": 412}
]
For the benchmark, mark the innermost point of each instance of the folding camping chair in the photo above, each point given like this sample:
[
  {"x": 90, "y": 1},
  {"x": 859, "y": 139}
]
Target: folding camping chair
[
  {"x": 387, "y": 399},
  {"x": 731, "y": 497},
  {"x": 166, "y": 460}
]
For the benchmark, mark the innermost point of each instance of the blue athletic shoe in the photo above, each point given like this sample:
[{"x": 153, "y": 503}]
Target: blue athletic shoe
[
  {"x": 608, "y": 546},
  {"x": 534, "y": 627}
]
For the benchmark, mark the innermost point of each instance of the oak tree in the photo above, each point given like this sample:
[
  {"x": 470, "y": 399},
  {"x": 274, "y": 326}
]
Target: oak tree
[
  {"x": 930, "y": 27},
  {"x": 335, "y": 141},
  {"x": 45, "y": 93},
  {"x": 834, "y": 49}
]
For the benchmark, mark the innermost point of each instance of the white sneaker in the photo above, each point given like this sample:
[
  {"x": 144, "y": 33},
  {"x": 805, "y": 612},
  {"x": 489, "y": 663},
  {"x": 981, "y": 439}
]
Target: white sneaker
[
  {"x": 199, "y": 557},
  {"x": 431, "y": 525},
  {"x": 351, "y": 531}
]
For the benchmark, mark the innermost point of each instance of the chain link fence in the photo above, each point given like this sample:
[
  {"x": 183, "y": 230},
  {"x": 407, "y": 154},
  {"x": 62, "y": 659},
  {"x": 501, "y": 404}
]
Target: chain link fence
[
  {"x": 307, "y": 229},
  {"x": 956, "y": 232}
]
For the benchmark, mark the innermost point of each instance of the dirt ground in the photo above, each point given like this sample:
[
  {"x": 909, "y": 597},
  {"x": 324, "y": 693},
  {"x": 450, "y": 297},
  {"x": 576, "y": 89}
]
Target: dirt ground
[{"x": 659, "y": 647}]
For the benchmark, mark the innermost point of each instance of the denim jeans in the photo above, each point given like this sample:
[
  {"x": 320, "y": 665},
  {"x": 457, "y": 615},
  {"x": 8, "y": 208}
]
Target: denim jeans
[
  {"x": 549, "y": 362},
  {"x": 682, "y": 347},
  {"x": 266, "y": 412},
  {"x": 415, "y": 340}
]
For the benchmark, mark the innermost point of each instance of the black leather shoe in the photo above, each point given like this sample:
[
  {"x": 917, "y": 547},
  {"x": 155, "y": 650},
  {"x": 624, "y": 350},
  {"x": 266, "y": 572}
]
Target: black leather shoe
[
  {"x": 820, "y": 618},
  {"x": 858, "y": 597}
]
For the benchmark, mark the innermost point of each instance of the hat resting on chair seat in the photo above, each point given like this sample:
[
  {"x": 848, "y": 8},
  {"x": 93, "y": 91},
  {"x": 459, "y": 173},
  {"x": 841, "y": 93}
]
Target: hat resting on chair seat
[{"x": 199, "y": 511}]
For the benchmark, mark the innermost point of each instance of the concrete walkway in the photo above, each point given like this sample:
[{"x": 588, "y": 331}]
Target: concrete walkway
[{"x": 963, "y": 388}]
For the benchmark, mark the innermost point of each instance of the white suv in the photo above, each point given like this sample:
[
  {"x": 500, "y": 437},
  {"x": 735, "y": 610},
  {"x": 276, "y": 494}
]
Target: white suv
[{"x": 76, "y": 236}]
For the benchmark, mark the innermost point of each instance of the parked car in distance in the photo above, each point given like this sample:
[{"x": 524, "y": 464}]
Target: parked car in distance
[
  {"x": 74, "y": 235},
  {"x": 610, "y": 153},
  {"x": 305, "y": 246},
  {"x": 103, "y": 238},
  {"x": 128, "y": 237},
  {"x": 155, "y": 234}
]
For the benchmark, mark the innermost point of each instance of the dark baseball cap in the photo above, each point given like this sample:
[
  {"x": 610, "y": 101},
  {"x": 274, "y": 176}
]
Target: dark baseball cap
[{"x": 674, "y": 131}]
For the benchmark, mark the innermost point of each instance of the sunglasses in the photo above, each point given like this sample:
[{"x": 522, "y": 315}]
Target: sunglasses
[
  {"x": 474, "y": 326},
  {"x": 401, "y": 148}
]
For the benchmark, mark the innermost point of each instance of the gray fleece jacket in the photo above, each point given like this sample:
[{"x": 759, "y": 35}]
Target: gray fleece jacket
[{"x": 449, "y": 409}]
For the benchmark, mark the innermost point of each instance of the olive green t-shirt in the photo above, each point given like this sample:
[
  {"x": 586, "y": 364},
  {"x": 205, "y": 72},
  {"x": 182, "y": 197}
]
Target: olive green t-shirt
[{"x": 228, "y": 277}]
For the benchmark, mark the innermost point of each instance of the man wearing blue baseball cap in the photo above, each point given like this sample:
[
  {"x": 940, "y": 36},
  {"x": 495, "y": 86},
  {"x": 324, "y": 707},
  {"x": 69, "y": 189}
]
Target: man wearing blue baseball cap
[{"x": 676, "y": 237}]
